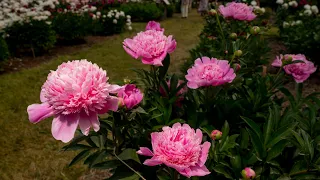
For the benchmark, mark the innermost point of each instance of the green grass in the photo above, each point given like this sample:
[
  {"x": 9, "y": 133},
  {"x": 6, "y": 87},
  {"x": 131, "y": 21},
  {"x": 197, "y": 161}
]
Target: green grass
[{"x": 29, "y": 151}]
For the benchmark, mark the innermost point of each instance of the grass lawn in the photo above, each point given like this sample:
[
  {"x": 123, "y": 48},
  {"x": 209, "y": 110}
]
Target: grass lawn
[{"x": 29, "y": 151}]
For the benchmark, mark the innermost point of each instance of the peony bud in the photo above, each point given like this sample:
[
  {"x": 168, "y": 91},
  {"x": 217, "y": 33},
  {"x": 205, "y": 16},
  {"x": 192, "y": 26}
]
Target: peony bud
[
  {"x": 216, "y": 135},
  {"x": 120, "y": 102},
  {"x": 233, "y": 36},
  {"x": 255, "y": 30},
  {"x": 236, "y": 67},
  {"x": 248, "y": 173},
  {"x": 213, "y": 12},
  {"x": 238, "y": 53},
  {"x": 126, "y": 81}
]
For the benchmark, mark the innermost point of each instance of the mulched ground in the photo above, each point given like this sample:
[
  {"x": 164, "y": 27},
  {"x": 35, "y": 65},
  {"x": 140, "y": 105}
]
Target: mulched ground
[{"x": 27, "y": 61}]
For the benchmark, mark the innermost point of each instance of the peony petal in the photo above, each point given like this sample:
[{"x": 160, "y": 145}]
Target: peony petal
[
  {"x": 152, "y": 162},
  {"x": 42, "y": 96},
  {"x": 39, "y": 112},
  {"x": 86, "y": 121},
  {"x": 204, "y": 153},
  {"x": 113, "y": 88},
  {"x": 199, "y": 171},
  {"x": 206, "y": 60},
  {"x": 199, "y": 134},
  {"x": 176, "y": 125},
  {"x": 145, "y": 151},
  {"x": 112, "y": 104},
  {"x": 64, "y": 127}
]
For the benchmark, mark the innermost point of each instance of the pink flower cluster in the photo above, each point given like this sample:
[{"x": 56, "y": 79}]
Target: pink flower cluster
[
  {"x": 152, "y": 46},
  {"x": 238, "y": 11},
  {"x": 299, "y": 71},
  {"x": 178, "y": 147},
  {"x": 74, "y": 94},
  {"x": 130, "y": 96},
  {"x": 209, "y": 72}
]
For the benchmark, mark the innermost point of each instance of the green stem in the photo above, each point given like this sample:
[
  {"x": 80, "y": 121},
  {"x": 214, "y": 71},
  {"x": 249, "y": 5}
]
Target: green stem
[
  {"x": 304, "y": 171},
  {"x": 114, "y": 153},
  {"x": 224, "y": 39},
  {"x": 175, "y": 175}
]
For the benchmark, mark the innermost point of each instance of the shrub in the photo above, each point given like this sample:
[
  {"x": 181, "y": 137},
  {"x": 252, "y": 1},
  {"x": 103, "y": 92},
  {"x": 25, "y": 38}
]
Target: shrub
[
  {"x": 70, "y": 26},
  {"x": 4, "y": 51},
  {"x": 142, "y": 11},
  {"x": 37, "y": 36},
  {"x": 294, "y": 24},
  {"x": 108, "y": 23}
]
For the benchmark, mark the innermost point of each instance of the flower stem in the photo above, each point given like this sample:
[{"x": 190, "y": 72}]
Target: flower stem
[
  {"x": 114, "y": 153},
  {"x": 175, "y": 175}
]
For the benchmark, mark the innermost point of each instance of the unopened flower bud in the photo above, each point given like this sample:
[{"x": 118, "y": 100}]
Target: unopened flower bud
[
  {"x": 216, "y": 135},
  {"x": 126, "y": 81},
  {"x": 236, "y": 67},
  {"x": 238, "y": 53},
  {"x": 255, "y": 30},
  {"x": 226, "y": 52},
  {"x": 233, "y": 36},
  {"x": 213, "y": 12},
  {"x": 120, "y": 102},
  {"x": 248, "y": 173}
]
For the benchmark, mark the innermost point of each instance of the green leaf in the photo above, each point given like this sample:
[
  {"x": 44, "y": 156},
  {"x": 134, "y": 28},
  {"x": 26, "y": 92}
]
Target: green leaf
[
  {"x": 76, "y": 147},
  {"x": 289, "y": 96},
  {"x": 79, "y": 157},
  {"x": 253, "y": 126},
  {"x": 176, "y": 121},
  {"x": 298, "y": 167},
  {"x": 129, "y": 154},
  {"x": 244, "y": 138},
  {"x": 225, "y": 131},
  {"x": 164, "y": 69},
  {"x": 123, "y": 173},
  {"x": 139, "y": 110},
  {"x": 107, "y": 164},
  {"x": 277, "y": 149},
  {"x": 257, "y": 143},
  {"x": 220, "y": 169},
  {"x": 280, "y": 134}
]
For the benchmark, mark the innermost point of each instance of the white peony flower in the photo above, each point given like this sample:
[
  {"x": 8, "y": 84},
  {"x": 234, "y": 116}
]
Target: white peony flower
[
  {"x": 253, "y": 3},
  {"x": 115, "y": 21},
  {"x": 307, "y": 7},
  {"x": 280, "y": 2},
  {"x": 314, "y": 9},
  {"x": 285, "y": 5},
  {"x": 307, "y": 12},
  {"x": 285, "y": 24},
  {"x": 129, "y": 28},
  {"x": 298, "y": 22}
]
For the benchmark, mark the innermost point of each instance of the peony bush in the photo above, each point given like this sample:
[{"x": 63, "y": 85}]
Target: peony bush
[
  {"x": 295, "y": 19},
  {"x": 221, "y": 120}
]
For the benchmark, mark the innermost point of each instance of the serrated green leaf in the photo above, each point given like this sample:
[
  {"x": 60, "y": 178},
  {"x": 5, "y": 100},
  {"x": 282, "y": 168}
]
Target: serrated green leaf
[{"x": 129, "y": 154}]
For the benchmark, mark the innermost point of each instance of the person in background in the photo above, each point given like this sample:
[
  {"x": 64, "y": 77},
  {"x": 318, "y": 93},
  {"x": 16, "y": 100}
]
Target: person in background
[
  {"x": 190, "y": 4},
  {"x": 184, "y": 8},
  {"x": 203, "y": 7}
]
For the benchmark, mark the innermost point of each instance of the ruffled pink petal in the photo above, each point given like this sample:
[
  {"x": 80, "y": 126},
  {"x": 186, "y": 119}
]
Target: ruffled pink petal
[
  {"x": 177, "y": 125},
  {"x": 172, "y": 44},
  {"x": 198, "y": 62},
  {"x": 192, "y": 85},
  {"x": 64, "y": 127},
  {"x": 39, "y": 112},
  {"x": 199, "y": 135},
  {"x": 113, "y": 88},
  {"x": 145, "y": 151},
  {"x": 42, "y": 96},
  {"x": 86, "y": 121},
  {"x": 112, "y": 104},
  {"x": 206, "y": 60},
  {"x": 195, "y": 171},
  {"x": 152, "y": 162},
  {"x": 204, "y": 153}
]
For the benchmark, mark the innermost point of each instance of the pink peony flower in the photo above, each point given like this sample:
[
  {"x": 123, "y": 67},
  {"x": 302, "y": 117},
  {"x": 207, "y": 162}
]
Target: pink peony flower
[
  {"x": 238, "y": 11},
  {"x": 130, "y": 96},
  {"x": 153, "y": 25},
  {"x": 151, "y": 46},
  {"x": 178, "y": 147},
  {"x": 209, "y": 72},
  {"x": 74, "y": 94},
  {"x": 248, "y": 173},
  {"x": 299, "y": 71},
  {"x": 216, "y": 135}
]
